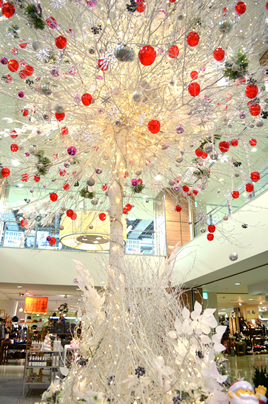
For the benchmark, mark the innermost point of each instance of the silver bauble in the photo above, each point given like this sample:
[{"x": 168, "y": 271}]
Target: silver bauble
[
  {"x": 164, "y": 145},
  {"x": 40, "y": 166},
  {"x": 91, "y": 50},
  {"x": 190, "y": 222},
  {"x": 251, "y": 125},
  {"x": 266, "y": 100},
  {"x": 61, "y": 227},
  {"x": 197, "y": 173},
  {"x": 46, "y": 89},
  {"x": 180, "y": 17},
  {"x": 124, "y": 53},
  {"x": 94, "y": 201},
  {"x": 236, "y": 175},
  {"x": 225, "y": 26},
  {"x": 33, "y": 149},
  {"x": 90, "y": 182},
  {"x": 118, "y": 122},
  {"x": 137, "y": 96},
  {"x": 233, "y": 256},
  {"x": 138, "y": 171},
  {"x": 229, "y": 125},
  {"x": 225, "y": 217},
  {"x": 105, "y": 156},
  {"x": 67, "y": 164},
  {"x": 147, "y": 201},
  {"x": 59, "y": 108},
  {"x": 46, "y": 117},
  {"x": 179, "y": 159},
  {"x": 171, "y": 183},
  {"x": 259, "y": 122},
  {"x": 90, "y": 227},
  {"x": 203, "y": 230},
  {"x": 36, "y": 46},
  {"x": 207, "y": 148},
  {"x": 213, "y": 155}
]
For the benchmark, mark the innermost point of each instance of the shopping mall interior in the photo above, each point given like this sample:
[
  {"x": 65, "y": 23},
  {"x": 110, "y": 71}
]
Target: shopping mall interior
[{"x": 133, "y": 202}]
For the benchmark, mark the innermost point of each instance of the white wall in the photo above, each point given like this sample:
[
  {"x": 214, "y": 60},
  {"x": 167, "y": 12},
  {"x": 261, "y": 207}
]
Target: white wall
[{"x": 9, "y": 306}]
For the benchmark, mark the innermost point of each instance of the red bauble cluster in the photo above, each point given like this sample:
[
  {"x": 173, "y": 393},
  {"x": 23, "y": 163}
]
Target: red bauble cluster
[
  {"x": 254, "y": 109},
  {"x": 13, "y": 65},
  {"x": 211, "y": 228},
  {"x": 252, "y": 142},
  {"x": 255, "y": 176},
  {"x": 249, "y": 187},
  {"x": 147, "y": 55},
  {"x": 235, "y": 194},
  {"x": 178, "y": 208},
  {"x": 69, "y": 212},
  {"x": 14, "y": 148},
  {"x": 53, "y": 196},
  {"x": 234, "y": 142},
  {"x": 102, "y": 216},
  {"x": 240, "y": 8},
  {"x": 5, "y": 172},
  {"x": 194, "y": 89},
  {"x": 60, "y": 42},
  {"x": 224, "y": 146},
  {"x": 173, "y": 52},
  {"x": 86, "y": 99},
  {"x": 140, "y": 6},
  {"x": 192, "y": 39},
  {"x": 251, "y": 91},
  {"x": 60, "y": 116},
  {"x": 218, "y": 54},
  {"x": 154, "y": 126},
  {"x": 210, "y": 236},
  {"x": 8, "y": 10}
]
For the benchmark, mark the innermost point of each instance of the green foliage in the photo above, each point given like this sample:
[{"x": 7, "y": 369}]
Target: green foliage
[
  {"x": 13, "y": 30},
  {"x": 34, "y": 15},
  {"x": 86, "y": 194},
  {"x": 260, "y": 377},
  {"x": 239, "y": 60},
  {"x": 42, "y": 160},
  {"x": 138, "y": 188},
  {"x": 209, "y": 140}
]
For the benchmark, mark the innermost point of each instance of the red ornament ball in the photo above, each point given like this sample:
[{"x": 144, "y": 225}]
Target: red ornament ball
[
  {"x": 253, "y": 142},
  {"x": 140, "y": 6},
  {"x": 22, "y": 74},
  {"x": 22, "y": 43},
  {"x": 51, "y": 22},
  {"x": 154, "y": 126},
  {"x": 147, "y": 55},
  {"x": 195, "y": 192},
  {"x": 13, "y": 65},
  {"x": 224, "y": 146},
  {"x": 255, "y": 176},
  {"x": 194, "y": 74},
  {"x": 185, "y": 188},
  {"x": 198, "y": 153},
  {"x": 24, "y": 112},
  {"x": 52, "y": 240},
  {"x": 86, "y": 99},
  {"x": 74, "y": 216},
  {"x": 29, "y": 70},
  {"x": 249, "y": 187},
  {"x": 8, "y": 10},
  {"x": 14, "y": 148},
  {"x": 211, "y": 228},
  {"x": 240, "y": 8},
  {"x": 53, "y": 196},
  {"x": 178, "y": 208},
  {"x": 194, "y": 89},
  {"x": 64, "y": 131},
  {"x": 60, "y": 116},
  {"x": 172, "y": 1},
  {"x": 173, "y": 52},
  {"x": 210, "y": 237},
  {"x": 24, "y": 177},
  {"x": 255, "y": 109},
  {"x": 128, "y": 207},
  {"x": 218, "y": 54},
  {"x": 66, "y": 187},
  {"x": 125, "y": 211},
  {"x": 102, "y": 217},
  {"x": 36, "y": 178},
  {"x": 103, "y": 65},
  {"x": 5, "y": 172},
  {"x": 69, "y": 213},
  {"x": 13, "y": 134},
  {"x": 204, "y": 156},
  {"x": 251, "y": 90},
  {"x": 192, "y": 39},
  {"x": 23, "y": 223},
  {"x": 60, "y": 42},
  {"x": 266, "y": 6},
  {"x": 140, "y": 181},
  {"x": 235, "y": 194},
  {"x": 234, "y": 142}
]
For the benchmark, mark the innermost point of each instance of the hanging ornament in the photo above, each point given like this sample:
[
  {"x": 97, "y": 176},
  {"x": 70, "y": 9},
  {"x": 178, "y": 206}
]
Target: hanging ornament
[
  {"x": 102, "y": 216},
  {"x": 176, "y": 186},
  {"x": 86, "y": 99},
  {"x": 5, "y": 172},
  {"x": 235, "y": 194},
  {"x": 60, "y": 117},
  {"x": 74, "y": 216},
  {"x": 180, "y": 129},
  {"x": 240, "y": 8},
  {"x": 52, "y": 241},
  {"x": 124, "y": 53},
  {"x": 59, "y": 108},
  {"x": 249, "y": 187},
  {"x": 219, "y": 54},
  {"x": 23, "y": 223},
  {"x": 233, "y": 257},
  {"x": 98, "y": 170},
  {"x": 213, "y": 155},
  {"x": 69, "y": 212},
  {"x": 194, "y": 89},
  {"x": 140, "y": 6},
  {"x": 225, "y": 26},
  {"x": 147, "y": 55},
  {"x": 8, "y": 10},
  {"x": 192, "y": 39},
  {"x": 173, "y": 52},
  {"x": 29, "y": 70},
  {"x": 71, "y": 151},
  {"x": 255, "y": 176},
  {"x": 179, "y": 159},
  {"x": 14, "y": 148},
  {"x": 36, "y": 46},
  {"x": 53, "y": 196},
  {"x": 51, "y": 22},
  {"x": 137, "y": 96},
  {"x": 224, "y": 146},
  {"x": 210, "y": 236},
  {"x": 194, "y": 75},
  {"x": 64, "y": 131},
  {"x": 90, "y": 182},
  {"x": 24, "y": 177},
  {"x": 103, "y": 65},
  {"x": 178, "y": 208},
  {"x": 252, "y": 142},
  {"x": 13, "y": 65},
  {"x": 242, "y": 115},
  {"x": 185, "y": 188},
  {"x": 207, "y": 147},
  {"x": 211, "y": 228},
  {"x": 60, "y": 42},
  {"x": 198, "y": 152},
  {"x": 259, "y": 122},
  {"x": 36, "y": 178},
  {"x": 251, "y": 91},
  {"x": 234, "y": 142},
  {"x": 128, "y": 207},
  {"x": 46, "y": 89},
  {"x": 21, "y": 94},
  {"x": 154, "y": 126}
]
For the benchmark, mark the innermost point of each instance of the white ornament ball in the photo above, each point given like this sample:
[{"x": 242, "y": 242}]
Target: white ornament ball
[{"x": 137, "y": 96}]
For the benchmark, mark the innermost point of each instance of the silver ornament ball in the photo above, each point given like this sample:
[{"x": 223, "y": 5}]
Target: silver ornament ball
[
  {"x": 46, "y": 89},
  {"x": 36, "y": 46},
  {"x": 124, "y": 53},
  {"x": 171, "y": 183},
  {"x": 203, "y": 230},
  {"x": 233, "y": 256},
  {"x": 259, "y": 122},
  {"x": 61, "y": 227},
  {"x": 90, "y": 227},
  {"x": 137, "y": 96},
  {"x": 225, "y": 217},
  {"x": 94, "y": 201},
  {"x": 179, "y": 159},
  {"x": 59, "y": 108},
  {"x": 33, "y": 149},
  {"x": 207, "y": 148},
  {"x": 138, "y": 171},
  {"x": 225, "y": 26},
  {"x": 90, "y": 182}
]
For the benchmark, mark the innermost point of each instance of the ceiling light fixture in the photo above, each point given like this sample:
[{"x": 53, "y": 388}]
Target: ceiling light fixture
[
  {"x": 237, "y": 283},
  {"x": 19, "y": 287}
]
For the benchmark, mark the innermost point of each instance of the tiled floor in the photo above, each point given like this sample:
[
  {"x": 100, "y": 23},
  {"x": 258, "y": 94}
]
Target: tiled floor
[{"x": 243, "y": 366}]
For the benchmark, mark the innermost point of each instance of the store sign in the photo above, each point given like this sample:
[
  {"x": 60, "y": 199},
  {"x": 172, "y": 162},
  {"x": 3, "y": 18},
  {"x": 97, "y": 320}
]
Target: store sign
[{"x": 35, "y": 305}]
